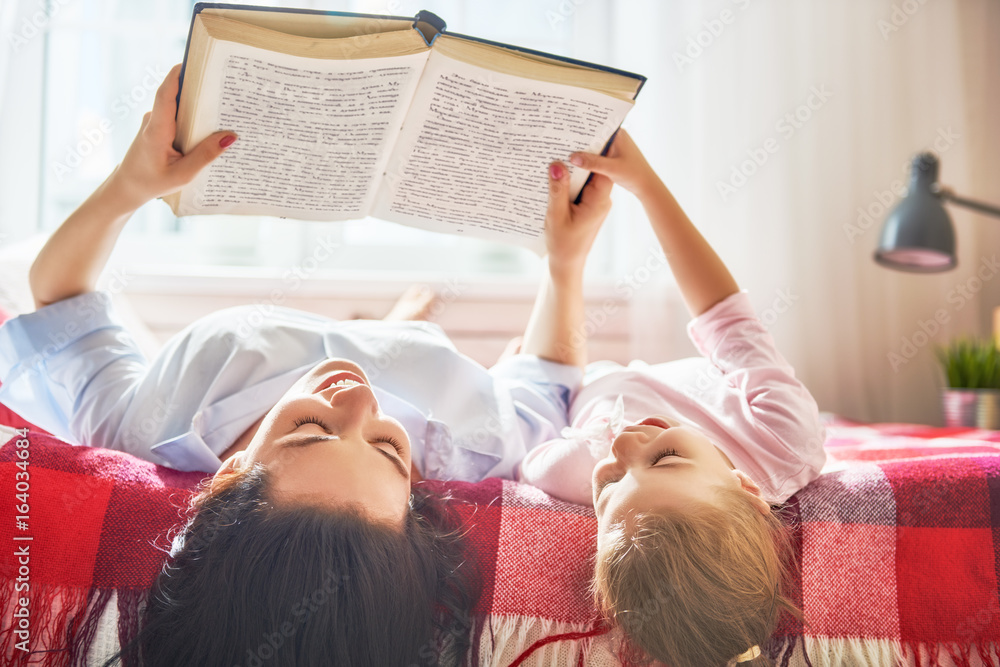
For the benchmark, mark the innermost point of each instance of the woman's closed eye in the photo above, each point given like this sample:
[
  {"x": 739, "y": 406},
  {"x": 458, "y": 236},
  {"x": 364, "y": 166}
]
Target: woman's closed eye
[
  {"x": 310, "y": 420},
  {"x": 384, "y": 438},
  {"x": 392, "y": 441}
]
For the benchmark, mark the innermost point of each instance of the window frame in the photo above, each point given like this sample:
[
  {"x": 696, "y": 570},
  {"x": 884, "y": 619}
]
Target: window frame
[{"x": 136, "y": 247}]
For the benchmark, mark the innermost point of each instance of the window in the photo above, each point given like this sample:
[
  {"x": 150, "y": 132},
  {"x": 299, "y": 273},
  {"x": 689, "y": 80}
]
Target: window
[{"x": 105, "y": 59}]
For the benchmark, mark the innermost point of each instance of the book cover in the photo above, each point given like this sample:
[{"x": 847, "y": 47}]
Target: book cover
[{"x": 342, "y": 115}]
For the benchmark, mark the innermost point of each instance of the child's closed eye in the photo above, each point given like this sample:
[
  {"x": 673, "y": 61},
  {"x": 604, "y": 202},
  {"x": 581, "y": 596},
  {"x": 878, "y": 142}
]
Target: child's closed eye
[{"x": 662, "y": 454}]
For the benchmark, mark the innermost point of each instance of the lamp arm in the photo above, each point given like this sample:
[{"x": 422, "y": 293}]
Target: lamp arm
[{"x": 947, "y": 195}]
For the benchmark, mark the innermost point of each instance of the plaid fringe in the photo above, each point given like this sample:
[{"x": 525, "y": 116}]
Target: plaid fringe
[
  {"x": 63, "y": 622},
  {"x": 528, "y": 641}
]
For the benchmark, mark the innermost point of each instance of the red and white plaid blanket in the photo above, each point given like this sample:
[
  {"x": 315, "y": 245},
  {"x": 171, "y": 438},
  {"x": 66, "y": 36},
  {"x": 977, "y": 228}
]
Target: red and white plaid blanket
[{"x": 898, "y": 546}]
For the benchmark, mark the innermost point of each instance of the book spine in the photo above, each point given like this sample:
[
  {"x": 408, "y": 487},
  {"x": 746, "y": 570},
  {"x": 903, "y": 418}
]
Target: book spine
[
  {"x": 187, "y": 47},
  {"x": 432, "y": 25}
]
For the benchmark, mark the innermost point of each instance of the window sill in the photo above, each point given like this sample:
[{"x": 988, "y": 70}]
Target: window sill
[
  {"x": 480, "y": 313},
  {"x": 254, "y": 281}
]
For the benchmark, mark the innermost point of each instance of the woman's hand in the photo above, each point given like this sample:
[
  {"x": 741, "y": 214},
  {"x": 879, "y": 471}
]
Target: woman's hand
[
  {"x": 570, "y": 229},
  {"x": 624, "y": 164},
  {"x": 152, "y": 167},
  {"x": 74, "y": 256}
]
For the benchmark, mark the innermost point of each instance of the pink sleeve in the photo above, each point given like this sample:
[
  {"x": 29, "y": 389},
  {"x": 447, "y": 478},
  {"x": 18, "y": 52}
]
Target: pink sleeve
[
  {"x": 780, "y": 423},
  {"x": 561, "y": 468}
]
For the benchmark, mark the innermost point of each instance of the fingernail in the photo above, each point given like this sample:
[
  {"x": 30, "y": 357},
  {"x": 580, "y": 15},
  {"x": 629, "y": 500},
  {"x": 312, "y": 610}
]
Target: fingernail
[
  {"x": 227, "y": 140},
  {"x": 556, "y": 171},
  {"x": 576, "y": 159}
]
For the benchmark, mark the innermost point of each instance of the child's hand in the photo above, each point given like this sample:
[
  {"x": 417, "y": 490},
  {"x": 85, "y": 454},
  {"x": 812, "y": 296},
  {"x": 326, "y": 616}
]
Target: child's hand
[
  {"x": 624, "y": 164},
  {"x": 151, "y": 167},
  {"x": 570, "y": 229}
]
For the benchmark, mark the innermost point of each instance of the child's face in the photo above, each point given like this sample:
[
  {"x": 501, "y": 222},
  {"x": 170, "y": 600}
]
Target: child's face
[
  {"x": 347, "y": 457},
  {"x": 658, "y": 465}
]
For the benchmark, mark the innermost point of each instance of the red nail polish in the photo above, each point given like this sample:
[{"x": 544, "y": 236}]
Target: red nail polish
[
  {"x": 556, "y": 171},
  {"x": 227, "y": 140}
]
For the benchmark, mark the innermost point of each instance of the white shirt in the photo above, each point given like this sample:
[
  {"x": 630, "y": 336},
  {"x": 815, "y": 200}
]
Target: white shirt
[{"x": 72, "y": 369}]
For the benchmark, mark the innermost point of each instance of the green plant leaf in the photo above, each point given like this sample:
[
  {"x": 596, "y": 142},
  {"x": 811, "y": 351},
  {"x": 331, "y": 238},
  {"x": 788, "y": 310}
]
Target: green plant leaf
[{"x": 969, "y": 363}]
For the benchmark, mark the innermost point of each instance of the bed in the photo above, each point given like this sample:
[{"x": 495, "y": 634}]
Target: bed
[{"x": 898, "y": 545}]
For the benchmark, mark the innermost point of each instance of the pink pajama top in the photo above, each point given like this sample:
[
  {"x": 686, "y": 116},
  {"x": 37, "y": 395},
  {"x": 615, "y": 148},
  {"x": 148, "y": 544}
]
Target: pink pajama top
[{"x": 741, "y": 393}]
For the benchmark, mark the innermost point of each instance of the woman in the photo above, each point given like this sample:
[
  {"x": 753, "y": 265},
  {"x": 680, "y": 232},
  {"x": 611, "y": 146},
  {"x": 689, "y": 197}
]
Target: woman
[{"x": 308, "y": 545}]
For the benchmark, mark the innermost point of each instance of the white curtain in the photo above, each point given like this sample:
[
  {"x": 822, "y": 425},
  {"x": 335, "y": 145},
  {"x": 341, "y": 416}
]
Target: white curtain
[
  {"x": 22, "y": 26},
  {"x": 884, "y": 80},
  {"x": 8, "y": 19}
]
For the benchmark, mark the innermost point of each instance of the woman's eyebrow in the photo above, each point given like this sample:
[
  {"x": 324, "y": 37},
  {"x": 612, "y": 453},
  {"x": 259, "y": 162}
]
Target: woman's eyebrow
[{"x": 306, "y": 440}]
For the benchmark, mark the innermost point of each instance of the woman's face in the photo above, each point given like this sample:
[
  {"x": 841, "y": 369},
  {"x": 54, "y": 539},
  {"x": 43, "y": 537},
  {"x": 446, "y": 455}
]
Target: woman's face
[
  {"x": 659, "y": 465},
  {"x": 327, "y": 443}
]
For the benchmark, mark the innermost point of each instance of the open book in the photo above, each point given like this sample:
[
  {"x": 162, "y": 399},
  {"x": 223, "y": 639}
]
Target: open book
[{"x": 341, "y": 116}]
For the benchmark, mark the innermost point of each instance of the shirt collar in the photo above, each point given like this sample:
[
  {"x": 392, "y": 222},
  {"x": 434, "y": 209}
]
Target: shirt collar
[{"x": 215, "y": 428}]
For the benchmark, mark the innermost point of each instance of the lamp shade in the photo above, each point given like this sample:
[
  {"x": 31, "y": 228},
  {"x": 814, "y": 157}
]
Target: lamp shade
[{"x": 918, "y": 235}]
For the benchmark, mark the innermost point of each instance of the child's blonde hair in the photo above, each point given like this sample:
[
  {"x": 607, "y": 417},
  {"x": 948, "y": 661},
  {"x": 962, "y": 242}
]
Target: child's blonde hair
[{"x": 700, "y": 587}]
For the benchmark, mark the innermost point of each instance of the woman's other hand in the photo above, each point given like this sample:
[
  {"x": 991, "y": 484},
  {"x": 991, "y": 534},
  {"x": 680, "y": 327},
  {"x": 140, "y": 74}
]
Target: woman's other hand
[{"x": 152, "y": 167}]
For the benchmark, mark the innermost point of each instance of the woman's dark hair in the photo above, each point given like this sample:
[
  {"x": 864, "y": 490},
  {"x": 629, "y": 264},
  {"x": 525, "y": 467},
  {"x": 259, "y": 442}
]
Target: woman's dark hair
[{"x": 259, "y": 584}]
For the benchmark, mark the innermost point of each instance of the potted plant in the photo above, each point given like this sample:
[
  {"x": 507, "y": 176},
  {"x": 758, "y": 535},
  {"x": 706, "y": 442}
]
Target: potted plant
[{"x": 972, "y": 374}]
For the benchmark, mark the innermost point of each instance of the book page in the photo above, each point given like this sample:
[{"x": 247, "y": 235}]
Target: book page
[
  {"x": 314, "y": 135},
  {"x": 473, "y": 154}
]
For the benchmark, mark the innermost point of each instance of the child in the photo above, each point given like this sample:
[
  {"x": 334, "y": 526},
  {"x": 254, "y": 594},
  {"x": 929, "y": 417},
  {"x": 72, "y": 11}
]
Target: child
[
  {"x": 683, "y": 460},
  {"x": 313, "y": 429}
]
